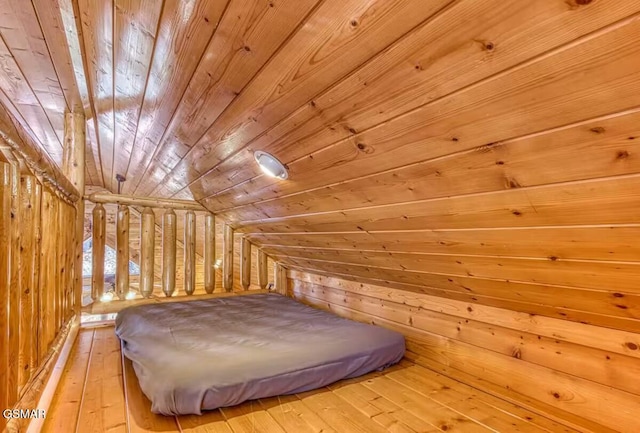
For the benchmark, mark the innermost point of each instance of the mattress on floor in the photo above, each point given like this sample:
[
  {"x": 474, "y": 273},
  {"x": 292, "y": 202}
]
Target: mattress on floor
[{"x": 196, "y": 355}]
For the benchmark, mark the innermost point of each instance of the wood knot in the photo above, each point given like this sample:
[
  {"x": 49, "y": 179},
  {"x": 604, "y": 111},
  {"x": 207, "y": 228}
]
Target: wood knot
[
  {"x": 455, "y": 139},
  {"x": 556, "y": 395},
  {"x": 470, "y": 310},
  {"x": 354, "y": 23},
  {"x": 516, "y": 353},
  {"x": 553, "y": 258},
  {"x": 597, "y": 130},
  {"x": 622, "y": 154},
  {"x": 516, "y": 212},
  {"x": 246, "y": 48},
  {"x": 512, "y": 183},
  {"x": 622, "y": 307},
  {"x": 632, "y": 346},
  {"x": 206, "y": 20},
  {"x": 489, "y": 46},
  {"x": 499, "y": 162},
  {"x": 583, "y": 2},
  {"x": 618, "y": 295}
]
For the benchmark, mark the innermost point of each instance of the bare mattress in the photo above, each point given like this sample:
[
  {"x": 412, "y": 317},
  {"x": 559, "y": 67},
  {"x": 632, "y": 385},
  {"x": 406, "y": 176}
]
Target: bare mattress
[{"x": 198, "y": 355}]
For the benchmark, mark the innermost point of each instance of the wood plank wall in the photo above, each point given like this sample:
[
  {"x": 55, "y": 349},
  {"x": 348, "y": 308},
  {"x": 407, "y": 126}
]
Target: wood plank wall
[
  {"x": 564, "y": 369},
  {"x": 37, "y": 271}
]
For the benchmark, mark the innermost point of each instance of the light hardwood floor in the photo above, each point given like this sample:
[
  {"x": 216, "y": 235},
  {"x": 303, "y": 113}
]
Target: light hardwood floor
[{"x": 95, "y": 396}]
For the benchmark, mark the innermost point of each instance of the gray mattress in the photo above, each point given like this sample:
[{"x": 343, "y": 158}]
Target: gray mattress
[{"x": 197, "y": 355}]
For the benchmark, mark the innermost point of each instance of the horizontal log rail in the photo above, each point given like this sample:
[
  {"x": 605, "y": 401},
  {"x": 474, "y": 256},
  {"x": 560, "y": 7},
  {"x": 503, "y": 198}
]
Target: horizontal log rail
[
  {"x": 13, "y": 138},
  {"x": 114, "y": 307},
  {"x": 152, "y": 202}
]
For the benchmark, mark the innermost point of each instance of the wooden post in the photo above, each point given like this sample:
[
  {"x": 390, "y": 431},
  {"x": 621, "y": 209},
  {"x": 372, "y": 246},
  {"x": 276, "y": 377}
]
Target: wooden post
[
  {"x": 122, "y": 251},
  {"x": 27, "y": 260},
  {"x": 263, "y": 273},
  {"x": 99, "y": 237},
  {"x": 227, "y": 259},
  {"x": 73, "y": 166},
  {"x": 5, "y": 283},
  {"x": 169, "y": 252},
  {"x": 147, "y": 251},
  {"x": 35, "y": 296},
  {"x": 189, "y": 252},
  {"x": 13, "y": 305},
  {"x": 281, "y": 279},
  {"x": 245, "y": 263},
  {"x": 209, "y": 253}
]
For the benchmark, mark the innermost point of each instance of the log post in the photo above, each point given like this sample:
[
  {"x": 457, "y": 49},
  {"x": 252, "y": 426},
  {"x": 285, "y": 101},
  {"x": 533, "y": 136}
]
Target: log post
[
  {"x": 35, "y": 312},
  {"x": 28, "y": 289},
  {"x": 189, "y": 252},
  {"x": 245, "y": 263},
  {"x": 13, "y": 306},
  {"x": 5, "y": 283},
  {"x": 98, "y": 237},
  {"x": 73, "y": 166},
  {"x": 281, "y": 279},
  {"x": 122, "y": 251},
  {"x": 227, "y": 259},
  {"x": 209, "y": 253},
  {"x": 147, "y": 251},
  {"x": 169, "y": 252},
  {"x": 263, "y": 273}
]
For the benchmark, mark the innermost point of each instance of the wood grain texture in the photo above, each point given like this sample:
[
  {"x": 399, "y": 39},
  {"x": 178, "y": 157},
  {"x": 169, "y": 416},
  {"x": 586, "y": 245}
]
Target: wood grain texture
[{"x": 451, "y": 340}]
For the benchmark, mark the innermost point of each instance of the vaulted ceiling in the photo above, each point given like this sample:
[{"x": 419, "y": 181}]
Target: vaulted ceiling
[{"x": 483, "y": 149}]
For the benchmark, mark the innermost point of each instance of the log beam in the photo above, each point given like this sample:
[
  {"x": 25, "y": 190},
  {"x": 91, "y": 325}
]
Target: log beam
[
  {"x": 122, "y": 251},
  {"x": 189, "y": 252},
  {"x": 169, "y": 221},
  {"x": 227, "y": 259},
  {"x": 281, "y": 279},
  {"x": 209, "y": 253},
  {"x": 99, "y": 238},
  {"x": 263, "y": 273},
  {"x": 245, "y": 263},
  {"x": 73, "y": 167},
  {"x": 153, "y": 202},
  {"x": 147, "y": 251}
]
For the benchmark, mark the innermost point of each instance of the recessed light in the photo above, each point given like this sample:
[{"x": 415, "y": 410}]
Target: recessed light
[{"x": 270, "y": 165}]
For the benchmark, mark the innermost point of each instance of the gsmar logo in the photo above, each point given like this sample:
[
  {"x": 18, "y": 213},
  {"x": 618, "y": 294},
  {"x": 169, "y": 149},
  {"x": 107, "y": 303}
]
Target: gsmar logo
[{"x": 24, "y": 413}]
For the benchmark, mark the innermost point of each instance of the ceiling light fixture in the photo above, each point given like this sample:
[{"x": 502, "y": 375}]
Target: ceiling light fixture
[{"x": 270, "y": 165}]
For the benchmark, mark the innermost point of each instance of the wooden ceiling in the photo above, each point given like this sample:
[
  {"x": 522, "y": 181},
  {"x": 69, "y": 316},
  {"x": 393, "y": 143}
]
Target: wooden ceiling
[{"x": 481, "y": 150}]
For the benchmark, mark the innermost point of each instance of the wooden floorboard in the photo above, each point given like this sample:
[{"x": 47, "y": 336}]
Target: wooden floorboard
[{"x": 99, "y": 392}]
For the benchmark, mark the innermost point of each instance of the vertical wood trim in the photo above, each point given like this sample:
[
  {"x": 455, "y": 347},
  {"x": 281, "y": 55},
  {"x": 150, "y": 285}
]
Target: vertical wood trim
[
  {"x": 147, "y": 251},
  {"x": 5, "y": 271},
  {"x": 73, "y": 166},
  {"x": 14, "y": 289},
  {"x": 189, "y": 252},
  {"x": 27, "y": 254},
  {"x": 169, "y": 252},
  {"x": 227, "y": 258},
  {"x": 99, "y": 237},
  {"x": 263, "y": 272},
  {"x": 122, "y": 251},
  {"x": 245, "y": 263},
  {"x": 209, "y": 253}
]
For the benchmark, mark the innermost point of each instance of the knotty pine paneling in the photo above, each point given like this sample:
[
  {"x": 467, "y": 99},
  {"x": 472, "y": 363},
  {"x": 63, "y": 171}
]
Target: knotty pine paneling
[{"x": 560, "y": 363}]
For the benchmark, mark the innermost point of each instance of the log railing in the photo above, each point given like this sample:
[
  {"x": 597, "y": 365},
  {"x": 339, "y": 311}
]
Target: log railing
[
  {"x": 158, "y": 259},
  {"x": 38, "y": 268}
]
